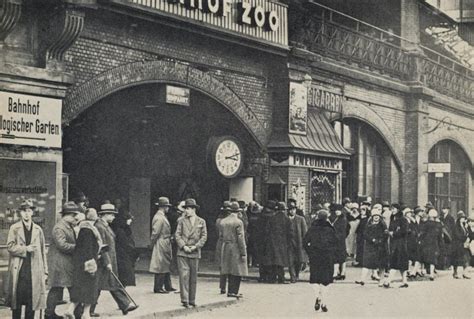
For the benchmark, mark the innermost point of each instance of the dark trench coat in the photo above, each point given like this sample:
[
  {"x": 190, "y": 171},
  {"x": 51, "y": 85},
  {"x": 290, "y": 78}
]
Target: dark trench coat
[
  {"x": 108, "y": 256},
  {"x": 85, "y": 284},
  {"x": 460, "y": 254},
  {"x": 276, "y": 244},
  {"x": 127, "y": 254},
  {"x": 431, "y": 237},
  {"x": 320, "y": 243},
  {"x": 398, "y": 243},
  {"x": 341, "y": 227},
  {"x": 375, "y": 247}
]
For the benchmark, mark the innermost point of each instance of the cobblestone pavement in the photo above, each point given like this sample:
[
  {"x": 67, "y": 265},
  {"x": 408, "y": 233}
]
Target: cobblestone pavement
[{"x": 443, "y": 298}]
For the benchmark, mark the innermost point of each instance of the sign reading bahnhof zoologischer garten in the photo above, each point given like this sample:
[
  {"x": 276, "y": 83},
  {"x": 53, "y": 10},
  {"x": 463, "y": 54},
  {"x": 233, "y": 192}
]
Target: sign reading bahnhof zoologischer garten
[{"x": 30, "y": 120}]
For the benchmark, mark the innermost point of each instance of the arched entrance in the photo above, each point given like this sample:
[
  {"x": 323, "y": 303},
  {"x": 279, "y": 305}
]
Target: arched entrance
[
  {"x": 372, "y": 170},
  {"x": 133, "y": 146},
  {"x": 449, "y": 189}
]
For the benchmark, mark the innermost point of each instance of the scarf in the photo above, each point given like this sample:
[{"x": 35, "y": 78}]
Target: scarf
[{"x": 86, "y": 224}]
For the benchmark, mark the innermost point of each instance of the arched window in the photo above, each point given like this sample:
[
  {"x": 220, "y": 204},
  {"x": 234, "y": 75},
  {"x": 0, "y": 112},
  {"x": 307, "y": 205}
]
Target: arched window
[
  {"x": 450, "y": 189},
  {"x": 371, "y": 171}
]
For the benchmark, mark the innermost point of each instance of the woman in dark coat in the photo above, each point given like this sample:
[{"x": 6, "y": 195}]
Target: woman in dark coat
[
  {"x": 412, "y": 244},
  {"x": 340, "y": 224},
  {"x": 360, "y": 236},
  {"x": 85, "y": 286},
  {"x": 320, "y": 244},
  {"x": 431, "y": 237},
  {"x": 398, "y": 231},
  {"x": 127, "y": 254},
  {"x": 375, "y": 253},
  {"x": 460, "y": 257}
]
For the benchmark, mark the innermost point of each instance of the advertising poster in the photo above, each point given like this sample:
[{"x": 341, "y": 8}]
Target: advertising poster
[{"x": 298, "y": 113}]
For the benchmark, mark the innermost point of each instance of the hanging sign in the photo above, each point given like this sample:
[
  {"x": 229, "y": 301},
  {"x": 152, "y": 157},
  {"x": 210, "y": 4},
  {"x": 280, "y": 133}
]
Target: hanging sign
[
  {"x": 30, "y": 120},
  {"x": 177, "y": 95},
  {"x": 439, "y": 167}
]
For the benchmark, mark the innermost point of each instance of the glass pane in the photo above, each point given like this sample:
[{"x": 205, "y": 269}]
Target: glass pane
[{"x": 347, "y": 142}]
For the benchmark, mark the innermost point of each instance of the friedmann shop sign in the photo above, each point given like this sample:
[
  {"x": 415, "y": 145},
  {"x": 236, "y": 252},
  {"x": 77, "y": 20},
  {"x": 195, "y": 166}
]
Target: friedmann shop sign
[
  {"x": 261, "y": 19},
  {"x": 30, "y": 120},
  {"x": 315, "y": 162}
]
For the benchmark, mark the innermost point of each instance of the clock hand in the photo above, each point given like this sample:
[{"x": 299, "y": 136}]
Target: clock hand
[{"x": 233, "y": 156}]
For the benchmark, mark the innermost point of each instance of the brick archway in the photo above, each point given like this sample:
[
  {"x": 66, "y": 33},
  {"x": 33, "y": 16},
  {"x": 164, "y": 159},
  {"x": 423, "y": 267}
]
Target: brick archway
[
  {"x": 362, "y": 113},
  {"x": 81, "y": 97},
  {"x": 457, "y": 139}
]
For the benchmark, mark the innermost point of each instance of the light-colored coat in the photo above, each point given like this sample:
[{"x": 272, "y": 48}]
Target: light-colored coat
[
  {"x": 189, "y": 235},
  {"x": 105, "y": 278},
  {"x": 296, "y": 252},
  {"x": 60, "y": 251},
  {"x": 16, "y": 246},
  {"x": 161, "y": 241},
  {"x": 234, "y": 250}
]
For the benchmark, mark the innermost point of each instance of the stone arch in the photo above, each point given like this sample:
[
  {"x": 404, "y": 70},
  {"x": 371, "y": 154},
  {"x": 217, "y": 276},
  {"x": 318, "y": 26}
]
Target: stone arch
[
  {"x": 362, "y": 113},
  {"x": 459, "y": 140},
  {"x": 81, "y": 97}
]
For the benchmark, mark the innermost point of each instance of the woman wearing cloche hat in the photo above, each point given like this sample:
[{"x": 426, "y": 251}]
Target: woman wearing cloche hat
[
  {"x": 375, "y": 248},
  {"x": 460, "y": 257},
  {"x": 431, "y": 235}
]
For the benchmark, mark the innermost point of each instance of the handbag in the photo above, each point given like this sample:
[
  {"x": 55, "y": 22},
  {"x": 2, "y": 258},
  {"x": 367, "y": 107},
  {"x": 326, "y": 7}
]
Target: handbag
[
  {"x": 471, "y": 247},
  {"x": 90, "y": 266}
]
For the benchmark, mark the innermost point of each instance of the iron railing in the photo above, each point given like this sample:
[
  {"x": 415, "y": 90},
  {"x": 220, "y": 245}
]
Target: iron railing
[{"x": 342, "y": 37}]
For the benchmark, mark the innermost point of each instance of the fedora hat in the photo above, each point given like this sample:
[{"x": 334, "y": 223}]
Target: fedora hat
[
  {"x": 271, "y": 204},
  {"x": 226, "y": 205},
  {"x": 27, "y": 204},
  {"x": 281, "y": 206},
  {"x": 191, "y": 202},
  {"x": 79, "y": 197},
  {"x": 163, "y": 202},
  {"x": 70, "y": 208},
  {"x": 107, "y": 209},
  {"x": 234, "y": 207}
]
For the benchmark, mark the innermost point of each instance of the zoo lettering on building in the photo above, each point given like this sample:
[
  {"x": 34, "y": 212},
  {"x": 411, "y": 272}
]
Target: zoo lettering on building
[{"x": 260, "y": 19}]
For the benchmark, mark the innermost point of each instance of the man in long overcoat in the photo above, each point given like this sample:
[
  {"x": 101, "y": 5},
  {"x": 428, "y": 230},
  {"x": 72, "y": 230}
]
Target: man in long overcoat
[
  {"x": 108, "y": 261},
  {"x": 222, "y": 214},
  {"x": 60, "y": 265},
  {"x": 234, "y": 250},
  {"x": 278, "y": 233},
  {"x": 191, "y": 235},
  {"x": 27, "y": 267},
  {"x": 446, "y": 252},
  {"x": 162, "y": 251},
  {"x": 261, "y": 238},
  {"x": 296, "y": 253}
]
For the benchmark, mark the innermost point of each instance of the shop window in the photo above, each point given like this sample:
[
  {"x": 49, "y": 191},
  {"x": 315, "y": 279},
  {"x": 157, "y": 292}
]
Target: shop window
[{"x": 451, "y": 188}]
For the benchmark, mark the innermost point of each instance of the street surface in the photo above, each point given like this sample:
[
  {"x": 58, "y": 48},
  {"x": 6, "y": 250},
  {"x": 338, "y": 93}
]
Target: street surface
[{"x": 443, "y": 298}]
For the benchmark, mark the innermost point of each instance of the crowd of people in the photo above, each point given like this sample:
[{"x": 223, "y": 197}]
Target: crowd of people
[{"x": 93, "y": 250}]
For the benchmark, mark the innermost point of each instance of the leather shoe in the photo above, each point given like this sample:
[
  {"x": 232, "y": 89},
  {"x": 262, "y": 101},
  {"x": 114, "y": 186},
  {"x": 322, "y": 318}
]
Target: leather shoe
[
  {"x": 317, "y": 304},
  {"x": 404, "y": 286},
  {"x": 161, "y": 291},
  {"x": 129, "y": 309},
  {"x": 324, "y": 308},
  {"x": 360, "y": 282},
  {"x": 235, "y": 295},
  {"x": 170, "y": 289},
  {"x": 185, "y": 304},
  {"x": 223, "y": 292},
  {"x": 192, "y": 304},
  {"x": 94, "y": 315}
]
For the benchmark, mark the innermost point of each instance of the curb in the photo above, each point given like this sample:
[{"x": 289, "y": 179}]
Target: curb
[{"x": 186, "y": 311}]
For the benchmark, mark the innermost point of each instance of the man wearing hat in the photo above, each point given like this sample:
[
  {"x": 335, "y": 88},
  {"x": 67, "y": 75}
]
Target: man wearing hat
[
  {"x": 191, "y": 235},
  {"x": 162, "y": 254},
  {"x": 60, "y": 264},
  {"x": 296, "y": 253},
  {"x": 261, "y": 239},
  {"x": 108, "y": 260},
  {"x": 27, "y": 264},
  {"x": 234, "y": 250},
  {"x": 278, "y": 233},
  {"x": 81, "y": 201},
  {"x": 449, "y": 224},
  {"x": 222, "y": 214}
]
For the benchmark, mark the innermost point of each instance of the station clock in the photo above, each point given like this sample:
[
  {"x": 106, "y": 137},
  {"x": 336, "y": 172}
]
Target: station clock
[{"x": 227, "y": 156}]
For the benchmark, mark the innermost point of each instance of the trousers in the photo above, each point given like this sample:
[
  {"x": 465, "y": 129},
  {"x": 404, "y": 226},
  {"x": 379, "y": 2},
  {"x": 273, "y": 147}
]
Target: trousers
[
  {"x": 223, "y": 282},
  {"x": 55, "y": 295},
  {"x": 294, "y": 270},
  {"x": 234, "y": 284},
  {"x": 162, "y": 280},
  {"x": 187, "y": 270},
  {"x": 29, "y": 313},
  {"x": 120, "y": 298}
]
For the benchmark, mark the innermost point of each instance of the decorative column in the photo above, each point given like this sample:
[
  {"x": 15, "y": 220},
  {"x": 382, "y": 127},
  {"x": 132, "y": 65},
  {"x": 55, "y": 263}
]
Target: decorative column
[{"x": 9, "y": 18}]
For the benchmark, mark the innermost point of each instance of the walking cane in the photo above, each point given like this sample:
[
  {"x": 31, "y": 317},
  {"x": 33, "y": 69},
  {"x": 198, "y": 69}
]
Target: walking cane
[{"x": 122, "y": 286}]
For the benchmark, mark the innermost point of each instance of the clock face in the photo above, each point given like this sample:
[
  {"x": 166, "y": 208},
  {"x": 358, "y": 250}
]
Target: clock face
[{"x": 228, "y": 158}]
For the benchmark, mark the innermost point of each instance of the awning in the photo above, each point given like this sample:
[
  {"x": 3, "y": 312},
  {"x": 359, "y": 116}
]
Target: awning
[{"x": 320, "y": 140}]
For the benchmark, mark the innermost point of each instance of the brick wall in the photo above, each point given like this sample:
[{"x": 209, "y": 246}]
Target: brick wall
[{"x": 110, "y": 40}]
